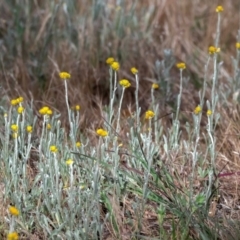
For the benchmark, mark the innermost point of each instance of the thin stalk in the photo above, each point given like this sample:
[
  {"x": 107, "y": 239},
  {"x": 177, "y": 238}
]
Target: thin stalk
[
  {"x": 113, "y": 97},
  {"x": 136, "y": 99},
  {"x": 180, "y": 94},
  {"x": 69, "y": 112},
  {"x": 119, "y": 110}
]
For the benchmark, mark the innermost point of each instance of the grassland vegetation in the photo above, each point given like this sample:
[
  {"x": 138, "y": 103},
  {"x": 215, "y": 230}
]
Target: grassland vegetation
[{"x": 119, "y": 120}]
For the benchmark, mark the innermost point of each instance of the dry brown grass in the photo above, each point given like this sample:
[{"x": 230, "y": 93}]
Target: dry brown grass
[{"x": 186, "y": 27}]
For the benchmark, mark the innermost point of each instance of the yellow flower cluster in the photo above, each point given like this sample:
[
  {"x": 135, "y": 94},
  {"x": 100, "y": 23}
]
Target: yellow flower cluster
[
  {"x": 76, "y": 107},
  {"x": 12, "y": 236},
  {"x": 209, "y": 112},
  {"x": 101, "y": 132},
  {"x": 155, "y": 86},
  {"x": 16, "y": 101},
  {"x": 149, "y": 114},
  {"x": 134, "y": 70},
  {"x": 219, "y": 9},
  {"x": 78, "y": 144},
  {"x": 125, "y": 83},
  {"x": 45, "y": 111},
  {"x": 197, "y": 109},
  {"x": 69, "y": 162},
  {"x": 49, "y": 126},
  {"x": 212, "y": 50},
  {"x": 20, "y": 109},
  {"x": 181, "y": 65},
  {"x": 238, "y": 45},
  {"x": 110, "y": 60},
  {"x": 13, "y": 211},
  {"x": 29, "y": 129},
  {"x": 14, "y": 127},
  {"x": 64, "y": 75},
  {"x": 115, "y": 66},
  {"x": 53, "y": 149}
]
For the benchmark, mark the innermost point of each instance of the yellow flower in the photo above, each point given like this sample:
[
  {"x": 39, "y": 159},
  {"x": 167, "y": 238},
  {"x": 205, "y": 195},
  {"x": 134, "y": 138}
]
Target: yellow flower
[
  {"x": 29, "y": 129},
  {"x": 53, "y": 149},
  {"x": 134, "y": 70},
  {"x": 45, "y": 111},
  {"x": 14, "y": 127},
  {"x": 212, "y": 50},
  {"x": 64, "y": 75},
  {"x": 19, "y": 99},
  {"x": 49, "y": 112},
  {"x": 20, "y": 109},
  {"x": 77, "y": 107},
  {"x": 12, "y": 236},
  {"x": 14, "y": 102},
  {"x": 115, "y": 66},
  {"x": 155, "y": 86},
  {"x": 149, "y": 114},
  {"x": 78, "y": 144},
  {"x": 110, "y": 60},
  {"x": 101, "y": 132},
  {"x": 219, "y": 9},
  {"x": 69, "y": 162},
  {"x": 13, "y": 211},
  {"x": 181, "y": 65},
  {"x": 238, "y": 45},
  {"x": 197, "y": 109},
  {"x": 49, "y": 126},
  {"x": 5, "y": 115},
  {"x": 125, "y": 83},
  {"x": 209, "y": 112}
]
